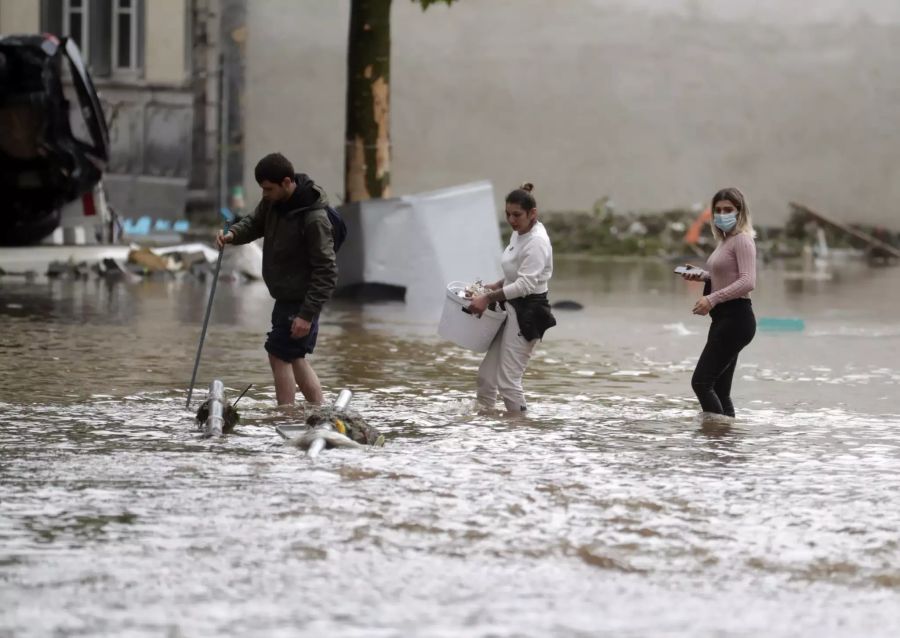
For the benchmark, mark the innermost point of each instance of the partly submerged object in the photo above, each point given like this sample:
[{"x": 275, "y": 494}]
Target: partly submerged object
[
  {"x": 875, "y": 246},
  {"x": 780, "y": 324},
  {"x": 567, "y": 304},
  {"x": 332, "y": 427},
  {"x": 315, "y": 439},
  {"x": 215, "y": 417}
]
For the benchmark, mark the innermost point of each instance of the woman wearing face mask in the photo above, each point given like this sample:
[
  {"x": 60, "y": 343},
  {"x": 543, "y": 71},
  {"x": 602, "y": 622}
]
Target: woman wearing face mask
[
  {"x": 730, "y": 277},
  {"x": 527, "y": 266}
]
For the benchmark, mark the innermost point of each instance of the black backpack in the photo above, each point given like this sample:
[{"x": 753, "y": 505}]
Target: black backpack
[{"x": 338, "y": 227}]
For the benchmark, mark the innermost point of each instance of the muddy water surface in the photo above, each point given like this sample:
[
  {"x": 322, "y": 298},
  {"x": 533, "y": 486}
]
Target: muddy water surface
[{"x": 609, "y": 511}]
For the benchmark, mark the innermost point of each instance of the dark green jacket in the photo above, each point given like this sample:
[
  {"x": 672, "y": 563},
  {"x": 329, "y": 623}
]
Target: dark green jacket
[{"x": 298, "y": 250}]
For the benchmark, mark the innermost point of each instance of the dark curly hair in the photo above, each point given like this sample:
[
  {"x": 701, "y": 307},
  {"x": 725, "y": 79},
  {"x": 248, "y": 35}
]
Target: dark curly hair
[{"x": 274, "y": 167}]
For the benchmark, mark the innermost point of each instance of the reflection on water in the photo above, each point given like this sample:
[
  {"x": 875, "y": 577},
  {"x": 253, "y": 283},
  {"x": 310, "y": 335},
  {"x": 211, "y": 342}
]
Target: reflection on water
[{"x": 611, "y": 509}]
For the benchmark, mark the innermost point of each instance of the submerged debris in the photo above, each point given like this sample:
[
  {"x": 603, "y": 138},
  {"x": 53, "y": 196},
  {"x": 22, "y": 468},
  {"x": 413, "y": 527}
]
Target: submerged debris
[
  {"x": 134, "y": 263},
  {"x": 68, "y": 270},
  {"x": 29, "y": 275},
  {"x": 230, "y": 416},
  {"x": 148, "y": 261},
  {"x": 350, "y": 424},
  {"x": 679, "y": 232},
  {"x": 567, "y": 304},
  {"x": 313, "y": 439},
  {"x": 327, "y": 428}
]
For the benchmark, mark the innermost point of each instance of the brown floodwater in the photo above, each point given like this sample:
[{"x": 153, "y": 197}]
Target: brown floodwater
[{"x": 610, "y": 510}]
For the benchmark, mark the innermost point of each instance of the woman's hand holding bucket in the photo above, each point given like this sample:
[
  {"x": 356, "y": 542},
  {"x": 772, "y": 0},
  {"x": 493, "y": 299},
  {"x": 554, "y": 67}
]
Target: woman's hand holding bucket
[{"x": 478, "y": 305}]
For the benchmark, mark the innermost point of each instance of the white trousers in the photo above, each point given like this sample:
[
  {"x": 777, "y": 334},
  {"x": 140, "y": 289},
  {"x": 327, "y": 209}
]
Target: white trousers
[{"x": 503, "y": 366}]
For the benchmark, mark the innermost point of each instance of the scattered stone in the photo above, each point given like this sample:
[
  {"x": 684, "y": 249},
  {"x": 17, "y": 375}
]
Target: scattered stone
[
  {"x": 148, "y": 260},
  {"x": 29, "y": 275},
  {"x": 68, "y": 270}
]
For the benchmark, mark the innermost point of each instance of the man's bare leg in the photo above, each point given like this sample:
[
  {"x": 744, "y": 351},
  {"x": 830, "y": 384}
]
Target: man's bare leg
[
  {"x": 307, "y": 381},
  {"x": 283, "y": 374}
]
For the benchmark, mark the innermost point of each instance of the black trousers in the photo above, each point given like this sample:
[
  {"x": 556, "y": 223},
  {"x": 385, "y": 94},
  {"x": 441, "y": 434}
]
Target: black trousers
[{"x": 733, "y": 327}]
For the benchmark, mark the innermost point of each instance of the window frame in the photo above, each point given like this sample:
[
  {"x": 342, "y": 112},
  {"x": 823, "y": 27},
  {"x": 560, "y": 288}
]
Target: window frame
[
  {"x": 84, "y": 16},
  {"x": 134, "y": 67}
]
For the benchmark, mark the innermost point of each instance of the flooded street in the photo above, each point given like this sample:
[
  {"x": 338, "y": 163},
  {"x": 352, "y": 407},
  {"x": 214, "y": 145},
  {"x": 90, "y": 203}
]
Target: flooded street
[{"x": 609, "y": 511}]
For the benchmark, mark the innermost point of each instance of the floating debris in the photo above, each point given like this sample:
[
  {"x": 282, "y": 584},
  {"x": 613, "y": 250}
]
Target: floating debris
[
  {"x": 330, "y": 427},
  {"x": 215, "y": 417},
  {"x": 68, "y": 270}
]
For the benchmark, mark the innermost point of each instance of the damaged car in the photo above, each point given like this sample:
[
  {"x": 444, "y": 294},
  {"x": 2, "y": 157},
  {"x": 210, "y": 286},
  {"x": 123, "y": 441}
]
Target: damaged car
[{"x": 54, "y": 144}]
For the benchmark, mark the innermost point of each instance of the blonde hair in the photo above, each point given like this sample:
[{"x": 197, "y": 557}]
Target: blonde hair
[{"x": 744, "y": 221}]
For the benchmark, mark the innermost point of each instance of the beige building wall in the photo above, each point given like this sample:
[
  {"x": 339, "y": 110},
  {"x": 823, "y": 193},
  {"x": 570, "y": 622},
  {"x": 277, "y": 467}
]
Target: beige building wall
[
  {"x": 655, "y": 103},
  {"x": 20, "y": 16},
  {"x": 166, "y": 33}
]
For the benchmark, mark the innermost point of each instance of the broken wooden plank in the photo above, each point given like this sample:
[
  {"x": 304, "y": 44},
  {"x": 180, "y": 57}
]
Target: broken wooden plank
[{"x": 866, "y": 238}]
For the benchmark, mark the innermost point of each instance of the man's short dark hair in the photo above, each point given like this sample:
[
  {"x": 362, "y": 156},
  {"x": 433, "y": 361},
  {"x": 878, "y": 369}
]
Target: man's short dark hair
[{"x": 274, "y": 167}]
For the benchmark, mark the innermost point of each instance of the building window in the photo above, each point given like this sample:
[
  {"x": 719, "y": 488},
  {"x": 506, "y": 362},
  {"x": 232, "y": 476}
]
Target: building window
[
  {"x": 76, "y": 25},
  {"x": 125, "y": 35},
  {"x": 110, "y": 33}
]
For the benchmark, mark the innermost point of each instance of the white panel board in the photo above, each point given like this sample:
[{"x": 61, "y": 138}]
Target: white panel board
[{"x": 422, "y": 242}]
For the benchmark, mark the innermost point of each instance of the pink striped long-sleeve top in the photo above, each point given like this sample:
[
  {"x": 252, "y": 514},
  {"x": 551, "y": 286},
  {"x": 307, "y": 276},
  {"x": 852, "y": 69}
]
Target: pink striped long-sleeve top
[{"x": 732, "y": 269}]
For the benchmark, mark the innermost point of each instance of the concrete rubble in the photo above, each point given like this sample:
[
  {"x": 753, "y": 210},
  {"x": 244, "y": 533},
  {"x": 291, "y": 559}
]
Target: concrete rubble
[{"x": 133, "y": 263}]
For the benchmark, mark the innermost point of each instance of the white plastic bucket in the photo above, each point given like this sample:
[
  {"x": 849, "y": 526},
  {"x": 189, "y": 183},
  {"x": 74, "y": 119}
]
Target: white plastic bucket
[{"x": 464, "y": 329}]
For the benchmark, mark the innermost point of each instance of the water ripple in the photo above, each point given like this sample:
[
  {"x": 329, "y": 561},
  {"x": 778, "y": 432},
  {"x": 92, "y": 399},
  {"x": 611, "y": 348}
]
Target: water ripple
[{"x": 611, "y": 509}]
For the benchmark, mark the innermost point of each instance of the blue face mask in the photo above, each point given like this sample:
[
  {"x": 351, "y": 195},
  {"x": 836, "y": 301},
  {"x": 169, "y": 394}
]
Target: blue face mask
[{"x": 725, "y": 221}]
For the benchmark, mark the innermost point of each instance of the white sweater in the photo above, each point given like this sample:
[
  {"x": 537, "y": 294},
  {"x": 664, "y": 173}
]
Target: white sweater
[{"x": 527, "y": 263}]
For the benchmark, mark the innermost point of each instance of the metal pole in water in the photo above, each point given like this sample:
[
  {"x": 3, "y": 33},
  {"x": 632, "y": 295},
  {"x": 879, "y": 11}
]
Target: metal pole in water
[
  {"x": 216, "y": 419},
  {"x": 343, "y": 399},
  {"x": 212, "y": 293},
  {"x": 315, "y": 447}
]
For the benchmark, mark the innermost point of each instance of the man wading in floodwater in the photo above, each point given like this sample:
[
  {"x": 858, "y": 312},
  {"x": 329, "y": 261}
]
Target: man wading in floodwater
[{"x": 298, "y": 267}]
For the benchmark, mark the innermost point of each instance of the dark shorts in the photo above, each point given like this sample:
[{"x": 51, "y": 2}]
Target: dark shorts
[{"x": 280, "y": 343}]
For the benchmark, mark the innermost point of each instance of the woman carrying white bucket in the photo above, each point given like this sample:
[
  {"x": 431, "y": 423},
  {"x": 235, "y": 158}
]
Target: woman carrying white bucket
[{"x": 527, "y": 267}]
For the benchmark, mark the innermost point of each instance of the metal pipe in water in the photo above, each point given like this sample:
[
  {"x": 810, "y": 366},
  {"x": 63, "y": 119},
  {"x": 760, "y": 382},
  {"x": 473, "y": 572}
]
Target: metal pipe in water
[
  {"x": 342, "y": 401},
  {"x": 216, "y": 420},
  {"x": 315, "y": 447}
]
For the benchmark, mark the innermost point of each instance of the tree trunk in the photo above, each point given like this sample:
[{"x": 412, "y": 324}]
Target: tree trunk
[{"x": 367, "y": 148}]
